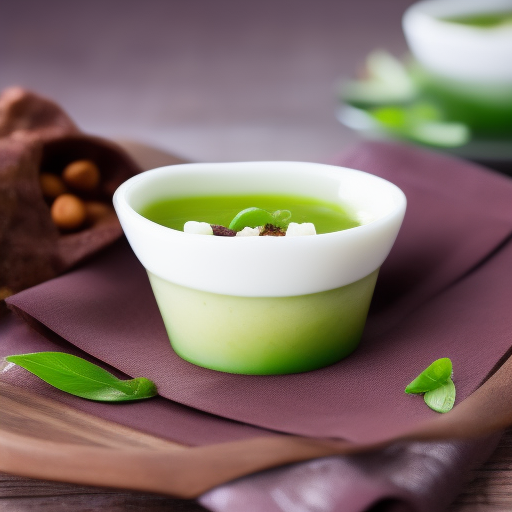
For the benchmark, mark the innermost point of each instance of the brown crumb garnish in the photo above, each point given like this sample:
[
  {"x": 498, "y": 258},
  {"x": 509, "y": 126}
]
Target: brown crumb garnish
[
  {"x": 271, "y": 230},
  {"x": 222, "y": 231}
]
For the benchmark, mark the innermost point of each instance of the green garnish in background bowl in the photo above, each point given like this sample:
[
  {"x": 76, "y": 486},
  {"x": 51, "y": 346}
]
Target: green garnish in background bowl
[{"x": 390, "y": 101}]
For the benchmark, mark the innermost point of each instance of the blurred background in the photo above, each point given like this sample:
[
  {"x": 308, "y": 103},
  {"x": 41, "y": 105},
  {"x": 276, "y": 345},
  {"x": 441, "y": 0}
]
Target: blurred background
[{"x": 219, "y": 80}]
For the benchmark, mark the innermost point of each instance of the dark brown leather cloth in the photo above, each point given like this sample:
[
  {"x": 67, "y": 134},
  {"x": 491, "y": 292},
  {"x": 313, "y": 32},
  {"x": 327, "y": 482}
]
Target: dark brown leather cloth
[{"x": 37, "y": 136}]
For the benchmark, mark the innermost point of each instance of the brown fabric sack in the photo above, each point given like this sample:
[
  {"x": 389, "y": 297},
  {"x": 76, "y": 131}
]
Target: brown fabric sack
[{"x": 37, "y": 136}]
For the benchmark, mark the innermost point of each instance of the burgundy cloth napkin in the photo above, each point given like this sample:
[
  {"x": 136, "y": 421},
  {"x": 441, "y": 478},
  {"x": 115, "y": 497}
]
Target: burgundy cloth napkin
[
  {"x": 444, "y": 292},
  {"x": 457, "y": 216}
]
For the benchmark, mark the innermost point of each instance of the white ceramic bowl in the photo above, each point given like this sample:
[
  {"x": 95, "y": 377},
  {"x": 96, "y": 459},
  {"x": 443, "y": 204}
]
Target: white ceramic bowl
[
  {"x": 457, "y": 51},
  {"x": 263, "y": 305}
]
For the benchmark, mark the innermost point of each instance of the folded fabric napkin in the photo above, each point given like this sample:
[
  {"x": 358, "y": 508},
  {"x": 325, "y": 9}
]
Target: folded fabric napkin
[
  {"x": 423, "y": 310},
  {"x": 443, "y": 292}
]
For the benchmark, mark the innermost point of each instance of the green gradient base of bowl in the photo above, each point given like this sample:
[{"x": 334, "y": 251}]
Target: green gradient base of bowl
[{"x": 264, "y": 335}]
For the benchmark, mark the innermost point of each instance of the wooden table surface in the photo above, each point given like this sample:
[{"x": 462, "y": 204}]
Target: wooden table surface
[{"x": 211, "y": 81}]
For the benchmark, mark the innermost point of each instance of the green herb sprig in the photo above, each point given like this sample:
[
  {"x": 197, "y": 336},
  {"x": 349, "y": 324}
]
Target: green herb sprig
[
  {"x": 81, "y": 378},
  {"x": 436, "y": 384}
]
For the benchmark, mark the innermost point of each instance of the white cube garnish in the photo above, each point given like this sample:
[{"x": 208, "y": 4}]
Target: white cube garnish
[
  {"x": 247, "y": 231},
  {"x": 306, "y": 228},
  {"x": 197, "y": 228}
]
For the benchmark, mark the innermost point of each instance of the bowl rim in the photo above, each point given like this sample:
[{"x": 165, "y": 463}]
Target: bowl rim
[
  {"x": 312, "y": 263},
  {"x": 455, "y": 7},
  {"x": 120, "y": 195}
]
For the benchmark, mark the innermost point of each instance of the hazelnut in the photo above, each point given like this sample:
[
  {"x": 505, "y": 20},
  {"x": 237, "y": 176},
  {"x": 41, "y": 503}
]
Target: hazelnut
[
  {"x": 5, "y": 292},
  {"x": 82, "y": 175},
  {"x": 68, "y": 212},
  {"x": 96, "y": 211},
  {"x": 51, "y": 185}
]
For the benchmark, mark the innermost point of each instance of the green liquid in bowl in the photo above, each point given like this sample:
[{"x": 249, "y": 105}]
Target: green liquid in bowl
[
  {"x": 174, "y": 212},
  {"x": 483, "y": 20}
]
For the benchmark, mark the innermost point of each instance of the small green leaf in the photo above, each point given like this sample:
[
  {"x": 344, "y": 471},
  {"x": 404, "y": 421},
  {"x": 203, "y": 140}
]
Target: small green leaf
[
  {"x": 81, "y": 378},
  {"x": 391, "y": 117},
  {"x": 282, "y": 218},
  {"x": 382, "y": 66},
  {"x": 421, "y": 122},
  {"x": 440, "y": 133},
  {"x": 432, "y": 377},
  {"x": 254, "y": 217},
  {"x": 442, "y": 398}
]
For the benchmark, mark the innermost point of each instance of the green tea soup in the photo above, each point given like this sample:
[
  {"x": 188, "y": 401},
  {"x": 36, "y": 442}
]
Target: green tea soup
[
  {"x": 483, "y": 20},
  {"x": 221, "y": 210}
]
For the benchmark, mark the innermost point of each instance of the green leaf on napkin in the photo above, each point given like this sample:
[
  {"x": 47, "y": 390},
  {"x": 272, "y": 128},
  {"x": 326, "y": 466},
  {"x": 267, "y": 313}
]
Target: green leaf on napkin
[
  {"x": 435, "y": 381},
  {"x": 431, "y": 377},
  {"x": 442, "y": 398},
  {"x": 81, "y": 378}
]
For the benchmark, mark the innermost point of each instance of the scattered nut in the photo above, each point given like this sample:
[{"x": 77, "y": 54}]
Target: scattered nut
[
  {"x": 82, "y": 175},
  {"x": 96, "y": 211},
  {"x": 5, "y": 292},
  {"x": 68, "y": 212},
  {"x": 51, "y": 185}
]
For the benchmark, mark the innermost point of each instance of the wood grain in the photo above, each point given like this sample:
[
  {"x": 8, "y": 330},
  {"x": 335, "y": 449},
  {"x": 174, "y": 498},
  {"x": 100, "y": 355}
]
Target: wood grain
[
  {"x": 19, "y": 494},
  {"x": 26, "y": 414},
  {"x": 490, "y": 489}
]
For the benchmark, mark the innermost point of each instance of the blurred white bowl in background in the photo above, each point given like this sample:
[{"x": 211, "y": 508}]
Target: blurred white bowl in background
[{"x": 458, "y": 51}]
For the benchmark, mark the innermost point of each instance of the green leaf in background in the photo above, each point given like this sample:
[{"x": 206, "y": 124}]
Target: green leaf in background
[
  {"x": 387, "y": 82},
  {"x": 434, "y": 376},
  {"x": 392, "y": 98},
  {"x": 440, "y": 134},
  {"x": 420, "y": 122},
  {"x": 81, "y": 378},
  {"x": 442, "y": 398}
]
